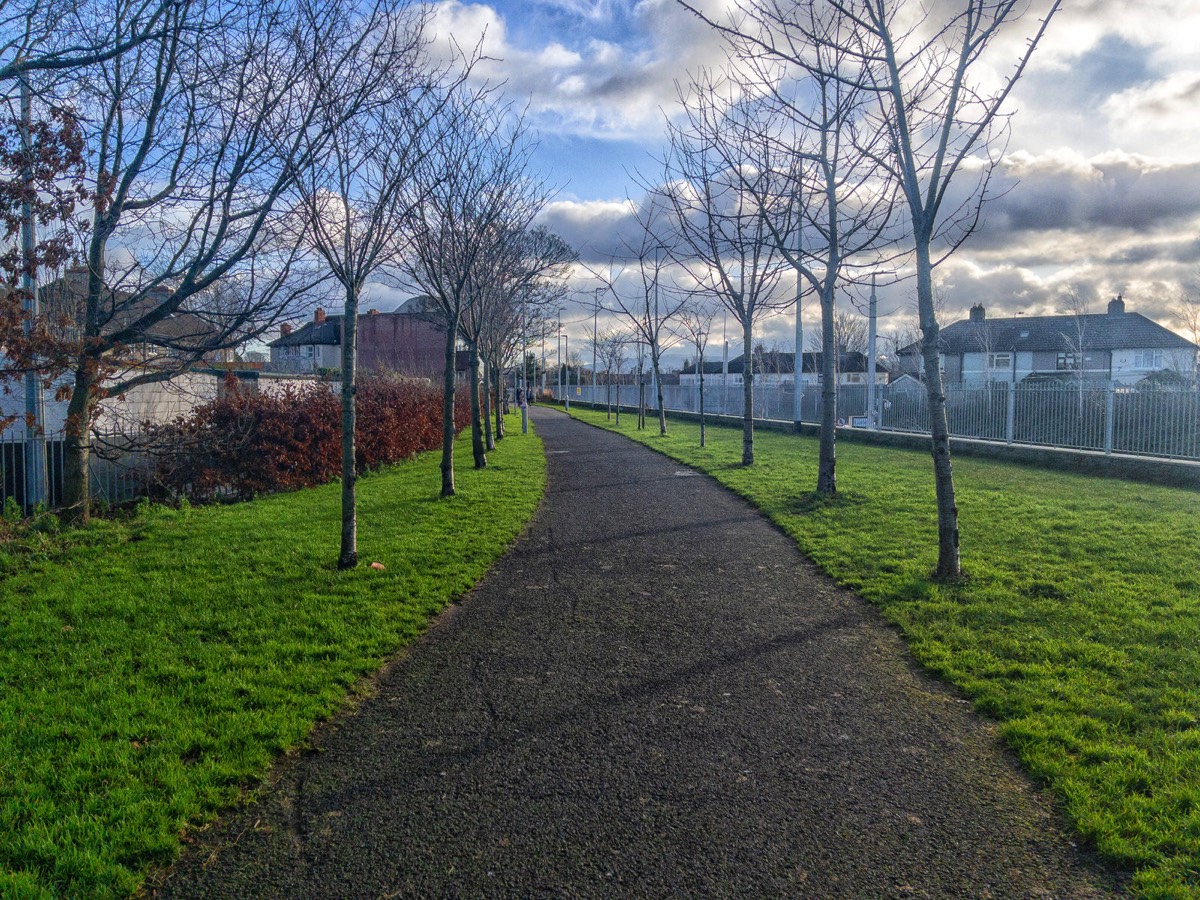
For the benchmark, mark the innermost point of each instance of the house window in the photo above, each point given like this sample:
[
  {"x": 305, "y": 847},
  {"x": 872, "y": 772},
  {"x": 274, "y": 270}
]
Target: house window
[
  {"x": 307, "y": 350},
  {"x": 1067, "y": 362},
  {"x": 999, "y": 360},
  {"x": 1148, "y": 359}
]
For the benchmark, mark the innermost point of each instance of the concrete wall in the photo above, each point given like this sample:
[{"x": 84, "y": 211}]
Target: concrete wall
[{"x": 158, "y": 403}]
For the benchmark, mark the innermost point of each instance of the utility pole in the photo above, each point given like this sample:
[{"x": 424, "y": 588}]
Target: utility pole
[
  {"x": 35, "y": 418},
  {"x": 559, "y": 354},
  {"x": 524, "y": 404},
  {"x": 872, "y": 421},
  {"x": 798, "y": 364},
  {"x": 595, "y": 339},
  {"x": 724, "y": 365},
  {"x": 567, "y": 360}
]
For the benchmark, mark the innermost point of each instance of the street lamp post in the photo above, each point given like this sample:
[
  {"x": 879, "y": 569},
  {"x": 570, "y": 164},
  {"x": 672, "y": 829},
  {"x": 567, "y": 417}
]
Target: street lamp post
[
  {"x": 595, "y": 338},
  {"x": 872, "y": 329},
  {"x": 524, "y": 364},
  {"x": 798, "y": 362},
  {"x": 872, "y": 419},
  {"x": 35, "y": 417}
]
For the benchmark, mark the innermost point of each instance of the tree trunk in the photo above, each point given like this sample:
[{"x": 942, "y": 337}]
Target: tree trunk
[
  {"x": 608, "y": 397},
  {"x": 747, "y": 393},
  {"x": 641, "y": 400},
  {"x": 448, "y": 430},
  {"x": 501, "y": 403},
  {"x": 658, "y": 388},
  {"x": 348, "y": 557},
  {"x": 477, "y": 445},
  {"x": 618, "y": 419},
  {"x": 939, "y": 429},
  {"x": 77, "y": 505},
  {"x": 827, "y": 455},
  {"x": 77, "y": 447},
  {"x": 489, "y": 436},
  {"x": 700, "y": 369}
]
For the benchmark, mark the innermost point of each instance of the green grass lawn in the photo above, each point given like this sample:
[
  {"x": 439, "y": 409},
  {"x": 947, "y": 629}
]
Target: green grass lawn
[
  {"x": 1078, "y": 627},
  {"x": 152, "y": 669}
]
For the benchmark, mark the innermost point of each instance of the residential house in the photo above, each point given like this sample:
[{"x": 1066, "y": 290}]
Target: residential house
[
  {"x": 407, "y": 341},
  {"x": 774, "y": 367},
  {"x": 173, "y": 343},
  {"x": 1119, "y": 346},
  {"x": 173, "y": 339}
]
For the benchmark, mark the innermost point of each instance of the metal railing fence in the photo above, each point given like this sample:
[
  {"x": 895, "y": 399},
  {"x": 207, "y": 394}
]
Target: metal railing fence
[
  {"x": 1109, "y": 418},
  {"x": 1105, "y": 417},
  {"x": 119, "y": 469}
]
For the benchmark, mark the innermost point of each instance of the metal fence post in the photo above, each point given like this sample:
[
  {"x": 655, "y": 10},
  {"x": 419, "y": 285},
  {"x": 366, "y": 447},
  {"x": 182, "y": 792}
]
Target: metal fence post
[
  {"x": 1010, "y": 425},
  {"x": 1110, "y": 404}
]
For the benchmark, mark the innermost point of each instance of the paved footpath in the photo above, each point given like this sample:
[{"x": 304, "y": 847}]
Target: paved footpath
[{"x": 652, "y": 695}]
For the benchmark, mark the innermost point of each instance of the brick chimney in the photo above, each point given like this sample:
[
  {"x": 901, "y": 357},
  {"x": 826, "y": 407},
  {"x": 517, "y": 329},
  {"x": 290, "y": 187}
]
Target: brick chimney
[
  {"x": 1116, "y": 306},
  {"x": 978, "y": 313},
  {"x": 319, "y": 316},
  {"x": 372, "y": 312},
  {"x": 285, "y": 329}
]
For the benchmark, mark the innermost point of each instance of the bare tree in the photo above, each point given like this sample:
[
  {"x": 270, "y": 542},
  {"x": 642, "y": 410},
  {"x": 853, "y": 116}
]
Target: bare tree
[
  {"x": 944, "y": 128},
  {"x": 479, "y": 191},
  {"x": 57, "y": 37},
  {"x": 1075, "y": 341},
  {"x": 610, "y": 350},
  {"x": 849, "y": 335},
  {"x": 1187, "y": 316},
  {"x": 726, "y": 243},
  {"x": 191, "y": 144},
  {"x": 812, "y": 126},
  {"x": 641, "y": 293},
  {"x": 359, "y": 185},
  {"x": 638, "y": 349},
  {"x": 695, "y": 322},
  {"x": 522, "y": 268}
]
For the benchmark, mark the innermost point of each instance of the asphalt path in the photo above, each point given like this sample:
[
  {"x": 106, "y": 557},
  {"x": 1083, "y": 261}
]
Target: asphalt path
[{"x": 653, "y": 694}]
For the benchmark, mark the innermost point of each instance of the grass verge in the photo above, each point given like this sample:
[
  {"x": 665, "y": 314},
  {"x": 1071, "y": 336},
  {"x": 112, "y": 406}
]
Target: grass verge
[
  {"x": 1078, "y": 628},
  {"x": 152, "y": 668}
]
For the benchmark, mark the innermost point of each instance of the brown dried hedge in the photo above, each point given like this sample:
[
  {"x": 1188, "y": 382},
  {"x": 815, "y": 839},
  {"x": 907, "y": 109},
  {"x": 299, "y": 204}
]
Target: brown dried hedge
[{"x": 244, "y": 444}]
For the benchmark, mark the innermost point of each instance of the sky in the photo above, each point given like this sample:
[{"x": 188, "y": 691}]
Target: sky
[{"x": 1101, "y": 176}]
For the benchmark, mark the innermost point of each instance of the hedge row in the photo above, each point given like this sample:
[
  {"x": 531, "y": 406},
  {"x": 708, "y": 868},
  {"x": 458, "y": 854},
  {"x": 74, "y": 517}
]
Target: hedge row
[{"x": 243, "y": 444}]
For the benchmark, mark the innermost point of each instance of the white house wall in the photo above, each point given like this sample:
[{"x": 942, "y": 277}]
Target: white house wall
[
  {"x": 1024, "y": 365},
  {"x": 1126, "y": 371}
]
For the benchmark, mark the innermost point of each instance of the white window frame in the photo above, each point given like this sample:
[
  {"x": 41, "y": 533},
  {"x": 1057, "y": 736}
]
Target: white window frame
[
  {"x": 1148, "y": 359},
  {"x": 993, "y": 361}
]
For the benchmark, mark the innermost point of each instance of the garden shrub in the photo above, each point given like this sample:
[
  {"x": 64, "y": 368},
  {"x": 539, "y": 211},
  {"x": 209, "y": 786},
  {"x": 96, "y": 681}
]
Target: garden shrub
[{"x": 243, "y": 444}]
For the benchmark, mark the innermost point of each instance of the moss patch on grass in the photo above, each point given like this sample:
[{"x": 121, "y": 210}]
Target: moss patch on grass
[
  {"x": 150, "y": 669},
  {"x": 1077, "y": 628}
]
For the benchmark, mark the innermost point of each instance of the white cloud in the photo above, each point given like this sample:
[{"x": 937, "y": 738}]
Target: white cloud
[
  {"x": 599, "y": 88},
  {"x": 1103, "y": 173},
  {"x": 1154, "y": 112}
]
